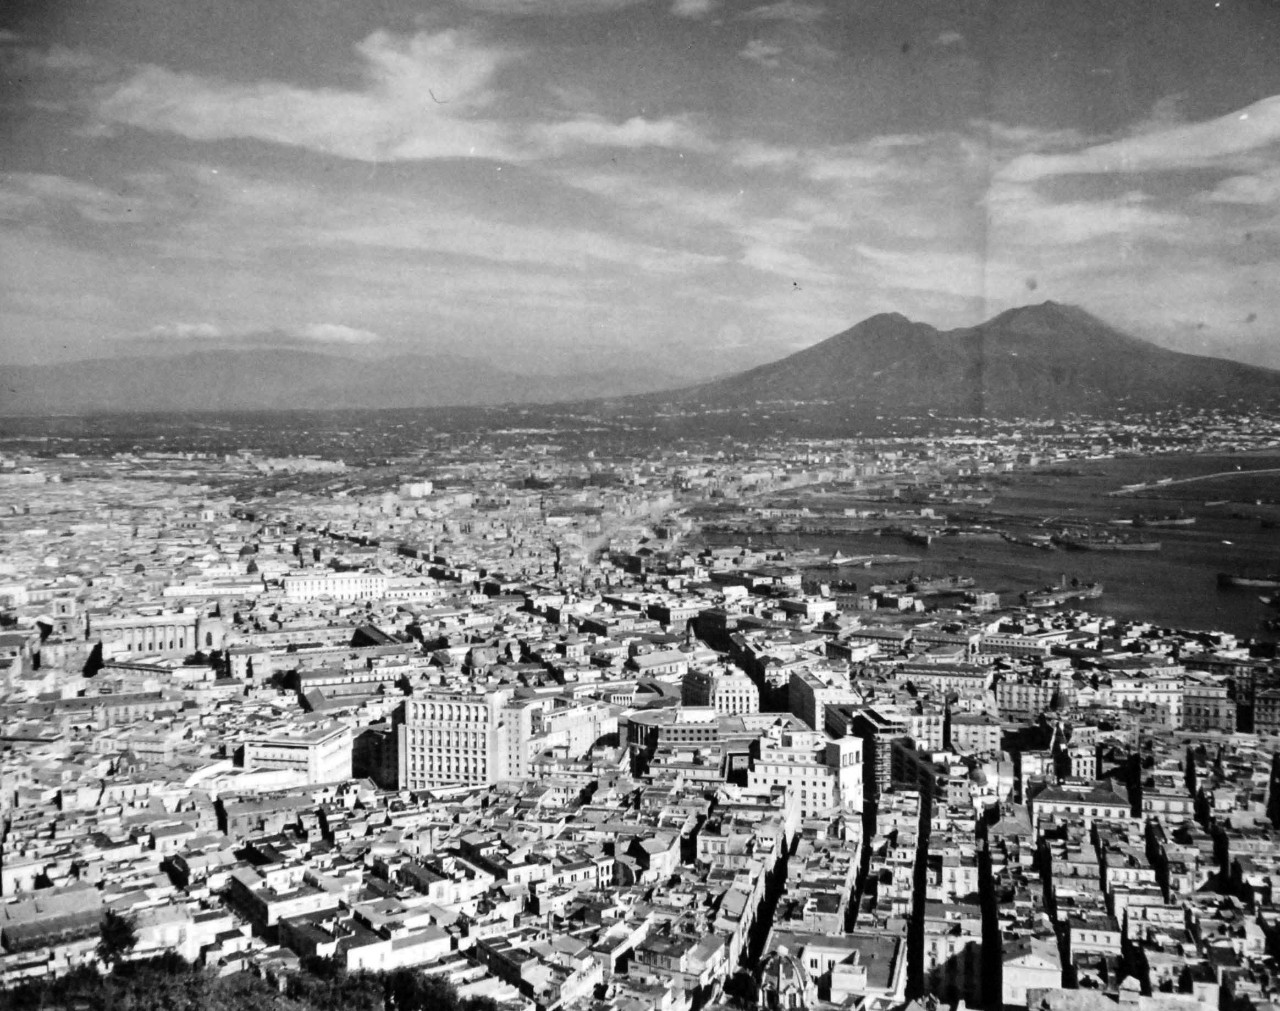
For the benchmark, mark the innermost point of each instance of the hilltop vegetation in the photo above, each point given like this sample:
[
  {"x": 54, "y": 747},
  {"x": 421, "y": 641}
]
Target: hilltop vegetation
[{"x": 171, "y": 984}]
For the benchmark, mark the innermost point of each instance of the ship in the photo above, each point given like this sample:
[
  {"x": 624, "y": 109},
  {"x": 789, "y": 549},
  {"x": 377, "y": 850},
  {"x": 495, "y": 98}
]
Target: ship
[
  {"x": 1093, "y": 542},
  {"x": 1267, "y": 582},
  {"x": 1042, "y": 541},
  {"x": 920, "y": 537},
  {"x": 939, "y": 584},
  {"x": 1164, "y": 521},
  {"x": 838, "y": 560},
  {"x": 976, "y": 533},
  {"x": 1052, "y": 596}
]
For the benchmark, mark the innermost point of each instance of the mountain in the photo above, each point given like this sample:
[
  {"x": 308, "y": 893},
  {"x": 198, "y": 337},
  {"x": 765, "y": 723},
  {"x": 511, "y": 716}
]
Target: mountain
[
  {"x": 1036, "y": 361},
  {"x": 242, "y": 379}
]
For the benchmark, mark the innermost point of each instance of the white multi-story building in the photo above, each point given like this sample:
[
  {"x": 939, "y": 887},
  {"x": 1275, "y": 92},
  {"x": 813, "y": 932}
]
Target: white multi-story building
[
  {"x": 321, "y": 756},
  {"x": 461, "y": 739},
  {"x": 306, "y": 586},
  {"x": 825, "y": 773},
  {"x": 728, "y": 692},
  {"x": 809, "y": 692},
  {"x": 576, "y": 726},
  {"x": 1161, "y": 687}
]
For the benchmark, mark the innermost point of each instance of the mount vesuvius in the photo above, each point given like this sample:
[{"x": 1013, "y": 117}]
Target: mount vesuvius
[{"x": 1036, "y": 361}]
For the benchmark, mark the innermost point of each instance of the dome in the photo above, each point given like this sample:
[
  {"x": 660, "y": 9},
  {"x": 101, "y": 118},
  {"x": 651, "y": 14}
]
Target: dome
[{"x": 784, "y": 982}]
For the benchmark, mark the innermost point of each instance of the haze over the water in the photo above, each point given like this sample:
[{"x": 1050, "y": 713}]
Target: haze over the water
[{"x": 585, "y": 185}]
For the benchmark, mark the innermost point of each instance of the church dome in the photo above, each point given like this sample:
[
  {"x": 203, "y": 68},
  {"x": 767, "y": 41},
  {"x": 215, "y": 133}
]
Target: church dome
[{"x": 784, "y": 982}]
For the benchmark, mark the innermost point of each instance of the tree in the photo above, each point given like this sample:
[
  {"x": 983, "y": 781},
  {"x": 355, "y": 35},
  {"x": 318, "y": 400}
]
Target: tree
[
  {"x": 116, "y": 938},
  {"x": 94, "y": 662}
]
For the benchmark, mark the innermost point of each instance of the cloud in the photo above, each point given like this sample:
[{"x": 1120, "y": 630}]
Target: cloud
[
  {"x": 633, "y": 133},
  {"x": 949, "y": 38},
  {"x": 787, "y": 10},
  {"x": 336, "y": 333},
  {"x": 1019, "y": 215},
  {"x": 56, "y": 76},
  {"x": 905, "y": 158},
  {"x": 771, "y": 258},
  {"x": 421, "y": 98},
  {"x": 1010, "y": 141},
  {"x": 764, "y": 53},
  {"x": 753, "y": 154},
  {"x": 186, "y": 331},
  {"x": 963, "y": 274},
  {"x": 693, "y": 8},
  {"x": 1258, "y": 188},
  {"x": 578, "y": 250},
  {"x": 546, "y": 8},
  {"x": 307, "y": 333},
  {"x": 670, "y": 205},
  {"x": 246, "y": 219},
  {"x": 1221, "y": 141},
  {"x": 24, "y": 193},
  {"x": 1166, "y": 113},
  {"x": 782, "y": 245}
]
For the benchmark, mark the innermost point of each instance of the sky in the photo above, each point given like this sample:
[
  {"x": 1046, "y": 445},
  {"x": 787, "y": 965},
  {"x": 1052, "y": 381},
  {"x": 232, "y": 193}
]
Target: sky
[{"x": 686, "y": 186}]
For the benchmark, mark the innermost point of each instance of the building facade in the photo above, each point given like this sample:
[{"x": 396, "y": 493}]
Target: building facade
[
  {"x": 461, "y": 739},
  {"x": 320, "y": 584},
  {"x": 731, "y": 693},
  {"x": 322, "y": 756}
]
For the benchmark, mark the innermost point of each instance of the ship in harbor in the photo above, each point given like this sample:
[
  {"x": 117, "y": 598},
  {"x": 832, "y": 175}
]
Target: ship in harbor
[
  {"x": 939, "y": 584},
  {"x": 1177, "y": 520},
  {"x": 1140, "y": 521},
  {"x": 1270, "y": 581},
  {"x": 1043, "y": 542},
  {"x": 1086, "y": 541},
  {"x": 839, "y": 560},
  {"x": 1052, "y": 596}
]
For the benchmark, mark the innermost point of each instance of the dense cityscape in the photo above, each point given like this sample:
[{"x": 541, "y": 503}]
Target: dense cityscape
[
  {"x": 640, "y": 505},
  {"x": 556, "y": 724}
]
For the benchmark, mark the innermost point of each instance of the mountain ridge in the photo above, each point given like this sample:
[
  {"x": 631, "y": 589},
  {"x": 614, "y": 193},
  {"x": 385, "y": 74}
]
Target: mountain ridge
[
  {"x": 1029, "y": 361},
  {"x": 227, "y": 379}
]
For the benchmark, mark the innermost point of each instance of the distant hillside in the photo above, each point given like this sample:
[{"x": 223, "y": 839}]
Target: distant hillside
[
  {"x": 1036, "y": 361},
  {"x": 286, "y": 379}
]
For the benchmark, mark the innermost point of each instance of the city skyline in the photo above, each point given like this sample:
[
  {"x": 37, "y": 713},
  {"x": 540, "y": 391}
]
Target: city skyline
[{"x": 564, "y": 185}]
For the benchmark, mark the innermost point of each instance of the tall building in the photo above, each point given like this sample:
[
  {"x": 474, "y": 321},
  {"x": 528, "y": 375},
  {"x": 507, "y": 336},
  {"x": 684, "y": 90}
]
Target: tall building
[
  {"x": 824, "y": 773},
  {"x": 1209, "y": 707},
  {"x": 1266, "y": 711},
  {"x": 454, "y": 738},
  {"x": 374, "y": 756},
  {"x": 809, "y": 692},
  {"x": 926, "y": 724},
  {"x": 728, "y": 692},
  {"x": 975, "y": 734},
  {"x": 1024, "y": 699},
  {"x": 877, "y": 730}
]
